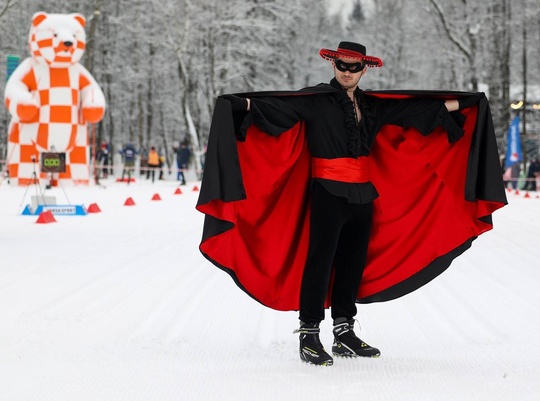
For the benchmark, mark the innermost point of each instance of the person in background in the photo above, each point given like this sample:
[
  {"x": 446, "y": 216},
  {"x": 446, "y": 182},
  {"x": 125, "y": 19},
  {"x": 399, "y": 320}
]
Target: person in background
[
  {"x": 183, "y": 154},
  {"x": 532, "y": 173},
  {"x": 161, "y": 167},
  {"x": 153, "y": 163},
  {"x": 515, "y": 171},
  {"x": 102, "y": 159},
  {"x": 129, "y": 154}
]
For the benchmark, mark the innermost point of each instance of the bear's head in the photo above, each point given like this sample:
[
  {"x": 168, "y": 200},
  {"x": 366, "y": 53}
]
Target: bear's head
[{"x": 57, "y": 39}]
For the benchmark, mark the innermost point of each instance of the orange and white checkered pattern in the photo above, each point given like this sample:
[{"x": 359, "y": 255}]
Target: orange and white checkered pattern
[{"x": 51, "y": 98}]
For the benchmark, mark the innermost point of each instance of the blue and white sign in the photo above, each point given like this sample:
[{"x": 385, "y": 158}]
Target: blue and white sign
[{"x": 514, "y": 153}]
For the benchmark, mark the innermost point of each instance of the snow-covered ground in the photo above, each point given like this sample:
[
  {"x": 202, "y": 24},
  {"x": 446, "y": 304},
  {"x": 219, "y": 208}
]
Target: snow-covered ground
[{"x": 120, "y": 305}]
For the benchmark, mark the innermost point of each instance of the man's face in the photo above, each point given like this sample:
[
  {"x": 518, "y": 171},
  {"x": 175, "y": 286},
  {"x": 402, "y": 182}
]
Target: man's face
[{"x": 355, "y": 69}]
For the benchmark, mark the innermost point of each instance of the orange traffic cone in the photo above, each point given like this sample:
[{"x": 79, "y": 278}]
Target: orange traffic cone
[
  {"x": 178, "y": 191},
  {"x": 156, "y": 197},
  {"x": 129, "y": 202},
  {"x": 93, "y": 208},
  {"x": 195, "y": 188},
  {"x": 46, "y": 217},
  {"x": 527, "y": 195}
]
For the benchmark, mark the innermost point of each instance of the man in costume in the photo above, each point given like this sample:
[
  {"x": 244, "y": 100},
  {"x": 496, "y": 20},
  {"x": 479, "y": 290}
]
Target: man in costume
[{"x": 308, "y": 229}]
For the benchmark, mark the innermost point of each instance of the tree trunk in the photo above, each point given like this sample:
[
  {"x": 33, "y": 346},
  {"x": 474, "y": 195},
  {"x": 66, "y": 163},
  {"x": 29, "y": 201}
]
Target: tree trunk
[
  {"x": 499, "y": 82},
  {"x": 91, "y": 36}
]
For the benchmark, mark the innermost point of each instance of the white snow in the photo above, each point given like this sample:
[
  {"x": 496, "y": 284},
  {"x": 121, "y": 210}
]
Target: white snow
[{"x": 120, "y": 305}]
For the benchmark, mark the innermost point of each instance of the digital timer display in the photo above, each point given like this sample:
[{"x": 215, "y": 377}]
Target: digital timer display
[{"x": 53, "y": 162}]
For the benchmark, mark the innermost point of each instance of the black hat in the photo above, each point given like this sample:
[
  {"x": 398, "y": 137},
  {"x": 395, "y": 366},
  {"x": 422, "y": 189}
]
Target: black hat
[{"x": 351, "y": 50}]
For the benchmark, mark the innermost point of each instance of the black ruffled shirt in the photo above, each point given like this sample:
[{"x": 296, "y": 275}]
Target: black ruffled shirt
[{"x": 331, "y": 128}]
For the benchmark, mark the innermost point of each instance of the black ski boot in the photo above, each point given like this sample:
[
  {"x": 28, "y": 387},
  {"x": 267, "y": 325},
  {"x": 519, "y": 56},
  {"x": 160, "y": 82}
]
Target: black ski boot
[
  {"x": 311, "y": 349},
  {"x": 346, "y": 343}
]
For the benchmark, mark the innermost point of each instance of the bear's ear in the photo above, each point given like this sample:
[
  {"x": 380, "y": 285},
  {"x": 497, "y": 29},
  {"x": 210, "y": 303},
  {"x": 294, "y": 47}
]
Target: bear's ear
[
  {"x": 38, "y": 18},
  {"x": 80, "y": 18}
]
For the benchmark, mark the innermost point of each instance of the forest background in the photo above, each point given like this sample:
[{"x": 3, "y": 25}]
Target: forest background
[{"x": 162, "y": 63}]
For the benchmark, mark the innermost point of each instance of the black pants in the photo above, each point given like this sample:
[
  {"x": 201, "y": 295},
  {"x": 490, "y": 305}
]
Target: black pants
[
  {"x": 151, "y": 171},
  {"x": 339, "y": 237},
  {"x": 530, "y": 184}
]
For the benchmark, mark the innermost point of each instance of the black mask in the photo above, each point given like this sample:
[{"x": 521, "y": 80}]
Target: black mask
[{"x": 352, "y": 67}]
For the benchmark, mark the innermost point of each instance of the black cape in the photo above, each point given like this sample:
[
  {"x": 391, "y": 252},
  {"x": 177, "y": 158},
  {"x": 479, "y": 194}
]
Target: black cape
[{"x": 257, "y": 215}]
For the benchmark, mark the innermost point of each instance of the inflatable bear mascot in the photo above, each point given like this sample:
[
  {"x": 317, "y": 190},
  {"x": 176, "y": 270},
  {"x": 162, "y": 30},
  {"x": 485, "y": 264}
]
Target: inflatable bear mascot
[{"x": 52, "y": 98}]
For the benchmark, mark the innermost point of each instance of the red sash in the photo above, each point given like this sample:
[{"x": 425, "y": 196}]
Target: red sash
[{"x": 345, "y": 169}]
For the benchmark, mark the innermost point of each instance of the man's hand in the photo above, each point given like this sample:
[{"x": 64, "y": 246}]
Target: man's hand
[{"x": 468, "y": 101}]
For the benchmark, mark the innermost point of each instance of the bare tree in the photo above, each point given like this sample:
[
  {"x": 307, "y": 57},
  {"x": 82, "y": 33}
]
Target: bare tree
[
  {"x": 385, "y": 33},
  {"x": 8, "y": 4},
  {"x": 461, "y": 21},
  {"x": 498, "y": 78}
]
